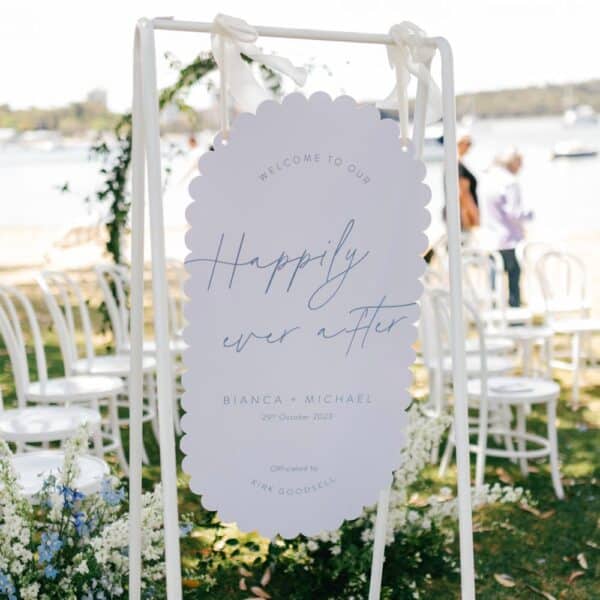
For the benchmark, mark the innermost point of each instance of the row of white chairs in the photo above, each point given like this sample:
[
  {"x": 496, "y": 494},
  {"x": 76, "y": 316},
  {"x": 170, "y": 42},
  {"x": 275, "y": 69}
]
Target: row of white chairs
[
  {"x": 503, "y": 341},
  {"x": 494, "y": 394},
  {"x": 557, "y": 291},
  {"x": 94, "y": 386}
]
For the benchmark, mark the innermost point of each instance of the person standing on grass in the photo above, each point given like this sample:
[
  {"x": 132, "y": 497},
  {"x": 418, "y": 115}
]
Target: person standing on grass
[
  {"x": 467, "y": 194},
  {"x": 504, "y": 216},
  {"x": 467, "y": 187}
]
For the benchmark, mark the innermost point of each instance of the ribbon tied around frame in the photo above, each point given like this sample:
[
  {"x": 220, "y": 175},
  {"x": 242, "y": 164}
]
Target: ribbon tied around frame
[
  {"x": 231, "y": 38},
  {"x": 411, "y": 55}
]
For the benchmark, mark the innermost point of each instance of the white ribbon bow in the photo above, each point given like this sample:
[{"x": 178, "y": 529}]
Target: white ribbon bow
[
  {"x": 409, "y": 55},
  {"x": 232, "y": 37}
]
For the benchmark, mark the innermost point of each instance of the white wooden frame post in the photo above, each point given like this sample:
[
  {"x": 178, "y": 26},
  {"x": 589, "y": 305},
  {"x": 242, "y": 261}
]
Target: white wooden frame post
[{"x": 146, "y": 165}]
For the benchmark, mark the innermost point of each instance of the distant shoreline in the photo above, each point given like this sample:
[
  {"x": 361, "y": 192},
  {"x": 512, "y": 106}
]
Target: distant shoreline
[
  {"x": 544, "y": 100},
  {"x": 547, "y": 100}
]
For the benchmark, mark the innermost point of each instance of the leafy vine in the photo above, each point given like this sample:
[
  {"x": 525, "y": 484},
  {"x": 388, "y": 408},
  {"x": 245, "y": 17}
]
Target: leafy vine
[{"x": 116, "y": 158}]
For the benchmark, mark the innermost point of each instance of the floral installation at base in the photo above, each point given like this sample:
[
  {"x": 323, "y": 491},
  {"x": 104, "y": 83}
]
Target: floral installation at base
[
  {"x": 73, "y": 546},
  {"x": 336, "y": 565},
  {"x": 69, "y": 545}
]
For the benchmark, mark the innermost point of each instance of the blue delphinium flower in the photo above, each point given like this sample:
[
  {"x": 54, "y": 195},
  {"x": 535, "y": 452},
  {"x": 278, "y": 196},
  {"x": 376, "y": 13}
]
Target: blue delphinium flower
[
  {"x": 82, "y": 525},
  {"x": 70, "y": 496},
  {"x": 50, "y": 545},
  {"x": 50, "y": 572},
  {"x": 7, "y": 586},
  {"x": 110, "y": 495}
]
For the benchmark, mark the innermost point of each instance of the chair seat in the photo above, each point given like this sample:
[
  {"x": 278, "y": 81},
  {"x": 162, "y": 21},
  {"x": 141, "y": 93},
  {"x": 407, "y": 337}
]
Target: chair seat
[
  {"x": 112, "y": 365},
  {"x": 45, "y": 423},
  {"x": 515, "y": 390},
  {"x": 510, "y": 315},
  {"x": 493, "y": 345},
  {"x": 75, "y": 388},
  {"x": 176, "y": 346},
  {"x": 523, "y": 333},
  {"x": 495, "y": 364},
  {"x": 576, "y": 325},
  {"x": 33, "y": 468},
  {"x": 567, "y": 305}
]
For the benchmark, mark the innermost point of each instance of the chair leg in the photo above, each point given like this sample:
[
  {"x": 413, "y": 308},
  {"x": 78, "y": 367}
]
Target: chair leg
[
  {"x": 482, "y": 440},
  {"x": 151, "y": 394},
  {"x": 521, "y": 443},
  {"x": 435, "y": 453},
  {"x": 115, "y": 431},
  {"x": 447, "y": 456},
  {"x": 506, "y": 425},
  {"x": 97, "y": 433},
  {"x": 145, "y": 459},
  {"x": 553, "y": 440},
  {"x": 176, "y": 422},
  {"x": 548, "y": 357},
  {"x": 576, "y": 362},
  {"x": 527, "y": 357}
]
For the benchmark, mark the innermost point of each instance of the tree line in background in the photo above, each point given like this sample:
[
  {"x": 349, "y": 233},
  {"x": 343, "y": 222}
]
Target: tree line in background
[
  {"x": 74, "y": 119},
  {"x": 80, "y": 117},
  {"x": 530, "y": 101}
]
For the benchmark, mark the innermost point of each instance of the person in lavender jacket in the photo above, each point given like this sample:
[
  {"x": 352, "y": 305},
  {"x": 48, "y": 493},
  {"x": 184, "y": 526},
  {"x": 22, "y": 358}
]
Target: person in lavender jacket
[{"x": 504, "y": 216}]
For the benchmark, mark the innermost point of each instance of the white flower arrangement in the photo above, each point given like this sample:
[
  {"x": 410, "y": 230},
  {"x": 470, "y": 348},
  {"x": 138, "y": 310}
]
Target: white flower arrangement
[
  {"x": 69, "y": 545},
  {"x": 423, "y": 434}
]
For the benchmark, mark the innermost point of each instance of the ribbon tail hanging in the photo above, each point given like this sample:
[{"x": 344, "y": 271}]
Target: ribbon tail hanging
[
  {"x": 242, "y": 84},
  {"x": 233, "y": 38},
  {"x": 410, "y": 56}
]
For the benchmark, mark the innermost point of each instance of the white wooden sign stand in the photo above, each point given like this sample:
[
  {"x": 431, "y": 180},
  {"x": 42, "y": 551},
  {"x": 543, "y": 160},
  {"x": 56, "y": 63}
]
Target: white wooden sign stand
[{"x": 146, "y": 168}]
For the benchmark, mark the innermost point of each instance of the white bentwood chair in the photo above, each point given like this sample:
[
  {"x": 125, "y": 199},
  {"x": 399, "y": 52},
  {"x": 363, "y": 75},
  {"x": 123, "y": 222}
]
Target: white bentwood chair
[
  {"x": 33, "y": 468},
  {"x": 528, "y": 253},
  {"x": 484, "y": 284},
  {"x": 44, "y": 424},
  {"x": 115, "y": 281},
  {"x": 563, "y": 280},
  {"x": 437, "y": 360},
  {"x": 500, "y": 359},
  {"x": 66, "y": 402},
  {"x": 72, "y": 320},
  {"x": 494, "y": 397},
  {"x": 485, "y": 287}
]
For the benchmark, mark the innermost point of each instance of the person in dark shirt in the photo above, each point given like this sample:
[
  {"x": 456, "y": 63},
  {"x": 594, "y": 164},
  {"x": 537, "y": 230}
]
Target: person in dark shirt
[
  {"x": 467, "y": 193},
  {"x": 467, "y": 188}
]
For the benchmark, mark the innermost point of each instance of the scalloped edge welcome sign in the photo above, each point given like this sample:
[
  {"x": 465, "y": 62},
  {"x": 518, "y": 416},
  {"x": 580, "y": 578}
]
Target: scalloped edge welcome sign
[{"x": 304, "y": 263}]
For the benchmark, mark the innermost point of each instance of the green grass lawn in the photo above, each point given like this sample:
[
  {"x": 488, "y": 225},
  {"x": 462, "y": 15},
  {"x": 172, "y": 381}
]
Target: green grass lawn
[{"x": 552, "y": 551}]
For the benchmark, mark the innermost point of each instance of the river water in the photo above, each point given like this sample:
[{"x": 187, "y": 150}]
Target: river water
[{"x": 564, "y": 193}]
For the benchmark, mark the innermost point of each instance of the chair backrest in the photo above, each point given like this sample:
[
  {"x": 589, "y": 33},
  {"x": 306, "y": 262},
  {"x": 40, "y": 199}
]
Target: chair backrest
[
  {"x": 177, "y": 276},
  {"x": 442, "y": 326},
  {"x": 528, "y": 255},
  {"x": 15, "y": 311},
  {"x": 484, "y": 282},
  {"x": 434, "y": 278},
  {"x": 432, "y": 353},
  {"x": 70, "y": 315},
  {"x": 439, "y": 260},
  {"x": 563, "y": 281},
  {"x": 114, "y": 282}
]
